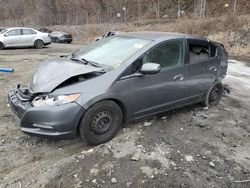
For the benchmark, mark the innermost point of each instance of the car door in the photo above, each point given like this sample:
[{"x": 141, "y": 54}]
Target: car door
[
  {"x": 28, "y": 37},
  {"x": 202, "y": 67},
  {"x": 13, "y": 38},
  {"x": 53, "y": 36},
  {"x": 167, "y": 89}
]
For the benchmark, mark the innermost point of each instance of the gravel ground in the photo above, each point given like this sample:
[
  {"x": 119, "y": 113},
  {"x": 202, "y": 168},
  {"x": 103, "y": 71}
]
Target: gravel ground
[{"x": 187, "y": 147}]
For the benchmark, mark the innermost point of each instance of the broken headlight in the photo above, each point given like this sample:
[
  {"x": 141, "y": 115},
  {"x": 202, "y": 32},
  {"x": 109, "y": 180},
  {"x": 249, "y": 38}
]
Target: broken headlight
[{"x": 54, "y": 100}]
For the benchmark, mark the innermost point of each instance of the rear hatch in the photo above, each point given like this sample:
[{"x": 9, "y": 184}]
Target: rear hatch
[
  {"x": 68, "y": 36},
  {"x": 223, "y": 57}
]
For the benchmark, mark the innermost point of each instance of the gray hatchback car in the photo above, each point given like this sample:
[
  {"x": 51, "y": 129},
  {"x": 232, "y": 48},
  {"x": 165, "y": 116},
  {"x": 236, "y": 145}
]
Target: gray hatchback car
[{"x": 93, "y": 91}]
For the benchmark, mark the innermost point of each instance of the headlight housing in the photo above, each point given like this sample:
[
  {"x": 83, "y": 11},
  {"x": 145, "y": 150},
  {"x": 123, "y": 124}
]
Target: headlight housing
[{"x": 54, "y": 100}]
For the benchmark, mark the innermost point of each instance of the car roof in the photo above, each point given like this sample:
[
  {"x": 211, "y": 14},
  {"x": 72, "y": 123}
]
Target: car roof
[
  {"x": 161, "y": 35},
  {"x": 19, "y": 28},
  {"x": 61, "y": 32}
]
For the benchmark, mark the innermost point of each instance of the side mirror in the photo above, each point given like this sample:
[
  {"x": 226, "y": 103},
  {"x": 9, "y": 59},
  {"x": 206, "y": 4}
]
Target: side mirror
[
  {"x": 6, "y": 35},
  {"x": 150, "y": 68}
]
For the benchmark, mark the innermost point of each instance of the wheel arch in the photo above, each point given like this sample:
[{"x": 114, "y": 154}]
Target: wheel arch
[
  {"x": 216, "y": 81},
  {"x": 37, "y": 39},
  {"x": 2, "y": 43},
  {"x": 117, "y": 101}
]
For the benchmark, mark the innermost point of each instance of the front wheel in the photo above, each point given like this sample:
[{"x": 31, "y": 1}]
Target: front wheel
[
  {"x": 214, "y": 94},
  {"x": 101, "y": 122},
  {"x": 1, "y": 46}
]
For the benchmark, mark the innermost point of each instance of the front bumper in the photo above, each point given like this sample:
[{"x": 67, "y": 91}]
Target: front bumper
[{"x": 54, "y": 121}]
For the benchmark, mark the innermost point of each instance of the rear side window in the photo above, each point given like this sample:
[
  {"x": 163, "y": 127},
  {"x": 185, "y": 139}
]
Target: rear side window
[
  {"x": 14, "y": 32},
  {"x": 28, "y": 32},
  {"x": 199, "y": 51},
  {"x": 167, "y": 54}
]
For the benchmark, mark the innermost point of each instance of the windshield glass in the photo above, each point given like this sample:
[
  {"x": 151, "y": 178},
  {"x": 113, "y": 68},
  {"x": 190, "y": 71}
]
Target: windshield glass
[
  {"x": 3, "y": 31},
  {"x": 111, "y": 51}
]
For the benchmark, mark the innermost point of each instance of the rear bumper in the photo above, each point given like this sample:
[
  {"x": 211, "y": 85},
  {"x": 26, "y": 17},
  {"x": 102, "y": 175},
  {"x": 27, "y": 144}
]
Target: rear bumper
[
  {"x": 48, "y": 43},
  {"x": 54, "y": 121},
  {"x": 67, "y": 40}
]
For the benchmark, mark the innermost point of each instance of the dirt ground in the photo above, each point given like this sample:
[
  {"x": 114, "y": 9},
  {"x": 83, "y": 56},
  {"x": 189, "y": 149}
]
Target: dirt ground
[{"x": 188, "y": 147}]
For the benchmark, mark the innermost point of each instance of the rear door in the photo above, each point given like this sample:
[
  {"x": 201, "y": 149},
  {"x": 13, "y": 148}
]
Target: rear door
[
  {"x": 157, "y": 92},
  {"x": 13, "y": 38},
  {"x": 28, "y": 37},
  {"x": 202, "y": 67}
]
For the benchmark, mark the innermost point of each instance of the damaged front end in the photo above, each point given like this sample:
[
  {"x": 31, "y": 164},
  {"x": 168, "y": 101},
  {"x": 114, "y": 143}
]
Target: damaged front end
[
  {"x": 19, "y": 101},
  {"x": 42, "y": 112},
  {"x": 58, "y": 72},
  {"x": 44, "y": 115}
]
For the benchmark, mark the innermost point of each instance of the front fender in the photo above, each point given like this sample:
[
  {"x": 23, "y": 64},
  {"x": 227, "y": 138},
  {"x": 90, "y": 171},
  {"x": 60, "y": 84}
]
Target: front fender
[{"x": 113, "y": 96}]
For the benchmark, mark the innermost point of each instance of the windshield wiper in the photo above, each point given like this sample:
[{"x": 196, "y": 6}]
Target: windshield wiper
[
  {"x": 91, "y": 63},
  {"x": 75, "y": 59},
  {"x": 85, "y": 61}
]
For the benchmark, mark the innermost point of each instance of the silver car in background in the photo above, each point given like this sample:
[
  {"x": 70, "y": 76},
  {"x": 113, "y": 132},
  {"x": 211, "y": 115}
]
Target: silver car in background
[{"x": 23, "y": 37}]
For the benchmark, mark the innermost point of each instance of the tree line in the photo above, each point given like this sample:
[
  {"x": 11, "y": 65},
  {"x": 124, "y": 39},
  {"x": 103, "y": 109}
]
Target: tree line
[{"x": 75, "y": 12}]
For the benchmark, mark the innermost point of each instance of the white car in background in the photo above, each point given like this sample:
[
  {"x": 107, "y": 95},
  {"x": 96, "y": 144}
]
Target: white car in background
[{"x": 23, "y": 37}]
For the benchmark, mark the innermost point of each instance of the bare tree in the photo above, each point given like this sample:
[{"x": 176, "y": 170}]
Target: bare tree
[
  {"x": 51, "y": 12},
  {"x": 234, "y": 9}
]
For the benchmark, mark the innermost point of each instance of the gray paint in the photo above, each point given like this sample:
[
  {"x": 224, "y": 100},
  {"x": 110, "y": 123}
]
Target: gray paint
[
  {"x": 53, "y": 72},
  {"x": 139, "y": 95}
]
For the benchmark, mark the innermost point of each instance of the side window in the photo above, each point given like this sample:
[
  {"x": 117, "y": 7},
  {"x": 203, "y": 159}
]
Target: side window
[
  {"x": 198, "y": 52},
  {"x": 167, "y": 54},
  {"x": 213, "y": 51},
  {"x": 136, "y": 66},
  {"x": 28, "y": 32},
  {"x": 14, "y": 32},
  {"x": 53, "y": 34}
]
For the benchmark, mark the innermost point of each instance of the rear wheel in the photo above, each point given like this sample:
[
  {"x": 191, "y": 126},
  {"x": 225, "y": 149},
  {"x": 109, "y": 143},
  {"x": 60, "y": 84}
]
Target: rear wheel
[
  {"x": 101, "y": 122},
  {"x": 1, "y": 46},
  {"x": 38, "y": 44},
  {"x": 214, "y": 94}
]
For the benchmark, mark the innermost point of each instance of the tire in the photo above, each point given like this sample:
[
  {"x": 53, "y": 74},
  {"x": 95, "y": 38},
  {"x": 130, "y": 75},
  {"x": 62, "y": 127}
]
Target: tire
[
  {"x": 38, "y": 44},
  {"x": 57, "y": 40},
  {"x": 214, "y": 94},
  {"x": 101, "y": 122},
  {"x": 1, "y": 46}
]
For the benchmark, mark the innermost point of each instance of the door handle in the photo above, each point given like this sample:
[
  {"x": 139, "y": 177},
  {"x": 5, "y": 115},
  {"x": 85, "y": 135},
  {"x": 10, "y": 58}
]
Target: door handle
[
  {"x": 213, "y": 68},
  {"x": 178, "y": 77}
]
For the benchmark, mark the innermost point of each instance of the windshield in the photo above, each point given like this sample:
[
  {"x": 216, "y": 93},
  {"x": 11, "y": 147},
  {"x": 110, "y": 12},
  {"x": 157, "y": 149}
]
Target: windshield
[
  {"x": 111, "y": 51},
  {"x": 3, "y": 31}
]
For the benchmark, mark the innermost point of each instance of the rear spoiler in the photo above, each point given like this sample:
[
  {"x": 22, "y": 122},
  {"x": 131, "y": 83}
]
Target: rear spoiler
[{"x": 220, "y": 45}]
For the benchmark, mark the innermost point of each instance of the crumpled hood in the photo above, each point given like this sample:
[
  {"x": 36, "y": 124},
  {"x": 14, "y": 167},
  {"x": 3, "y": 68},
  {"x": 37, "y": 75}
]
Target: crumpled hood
[{"x": 53, "y": 72}]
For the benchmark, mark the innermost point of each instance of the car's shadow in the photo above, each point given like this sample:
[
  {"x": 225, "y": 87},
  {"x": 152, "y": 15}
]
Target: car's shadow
[
  {"x": 22, "y": 48},
  {"x": 167, "y": 113},
  {"x": 133, "y": 124}
]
